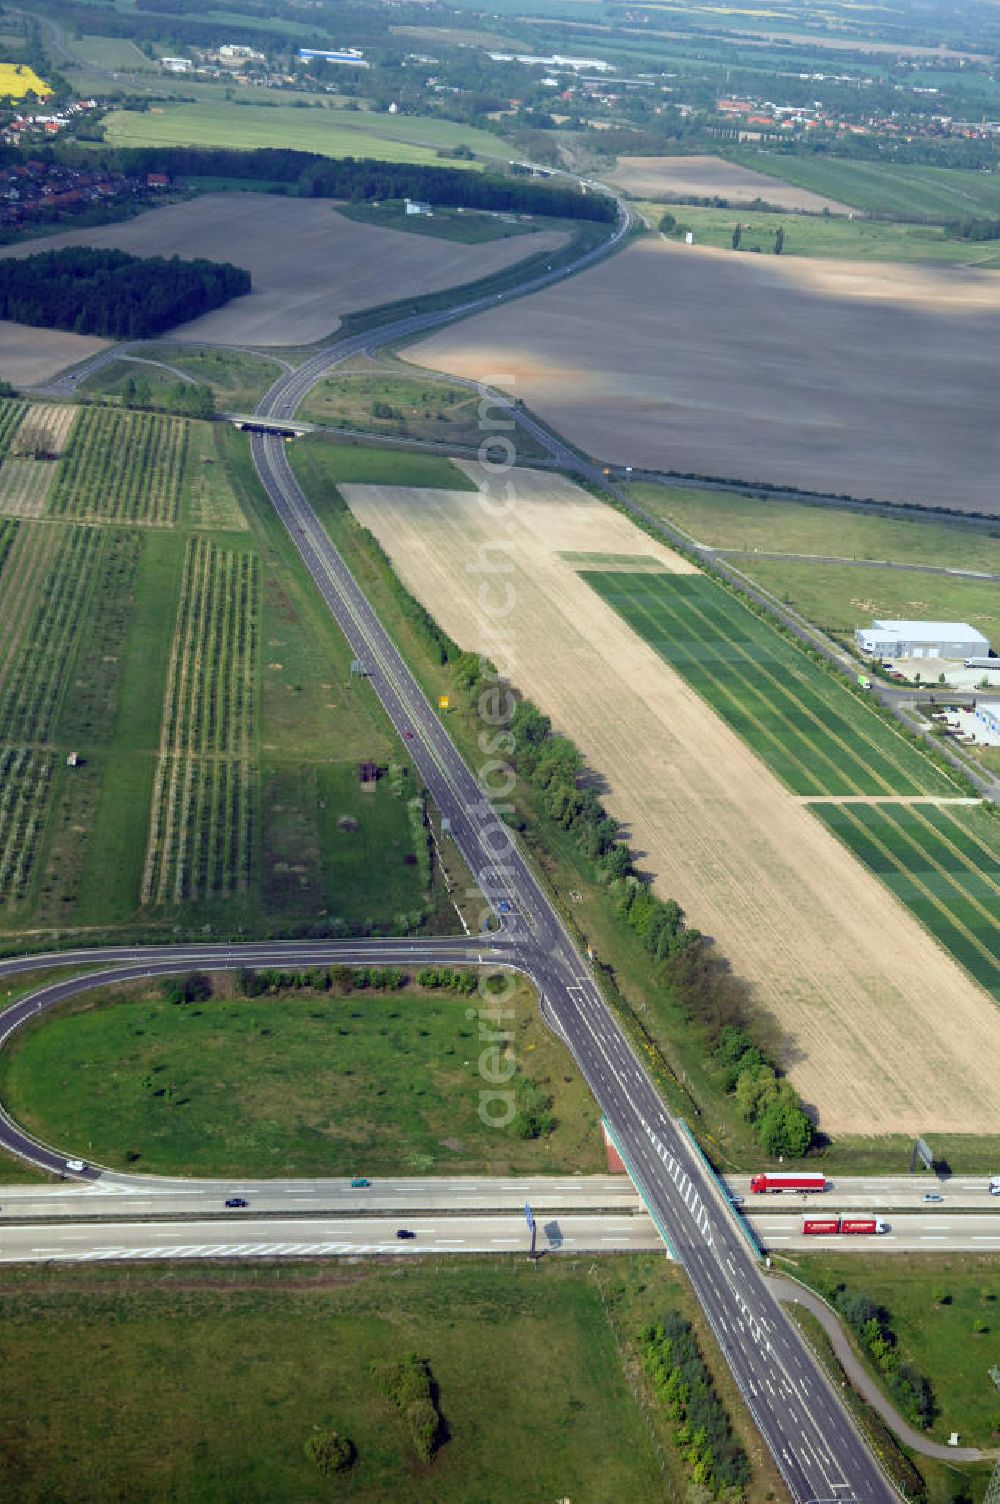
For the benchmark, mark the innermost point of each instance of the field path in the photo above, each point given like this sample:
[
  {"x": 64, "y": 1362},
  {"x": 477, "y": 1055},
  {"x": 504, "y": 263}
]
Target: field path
[{"x": 886, "y": 1032}]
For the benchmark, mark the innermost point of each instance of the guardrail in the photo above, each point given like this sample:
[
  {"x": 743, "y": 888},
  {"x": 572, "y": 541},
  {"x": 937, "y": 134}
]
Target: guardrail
[
  {"x": 741, "y": 1222},
  {"x": 642, "y": 1196}
]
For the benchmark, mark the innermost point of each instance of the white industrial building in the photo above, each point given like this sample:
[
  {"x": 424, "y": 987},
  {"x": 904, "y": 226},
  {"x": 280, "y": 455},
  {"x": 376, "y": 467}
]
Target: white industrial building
[{"x": 921, "y": 639}]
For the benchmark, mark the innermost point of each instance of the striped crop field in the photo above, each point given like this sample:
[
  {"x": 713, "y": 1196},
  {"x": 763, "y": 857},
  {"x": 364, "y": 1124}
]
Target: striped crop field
[
  {"x": 203, "y": 819},
  {"x": 42, "y": 609},
  {"x": 25, "y": 779},
  {"x": 943, "y": 863},
  {"x": 122, "y": 467},
  {"x": 809, "y": 728},
  {"x": 11, "y": 413}
]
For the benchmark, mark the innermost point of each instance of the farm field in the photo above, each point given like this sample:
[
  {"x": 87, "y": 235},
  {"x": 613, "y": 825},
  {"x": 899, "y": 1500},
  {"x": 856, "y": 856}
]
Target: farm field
[
  {"x": 153, "y": 1355},
  {"x": 742, "y": 396},
  {"x": 331, "y": 132},
  {"x": 469, "y": 228},
  {"x": 772, "y": 524},
  {"x": 310, "y": 265},
  {"x": 17, "y": 80},
  {"x": 30, "y": 357},
  {"x": 841, "y": 597},
  {"x": 829, "y": 236},
  {"x": 205, "y": 808},
  {"x": 813, "y": 731},
  {"x": 260, "y": 688},
  {"x": 885, "y": 188},
  {"x": 299, "y": 1084},
  {"x": 718, "y": 832},
  {"x": 943, "y": 863},
  {"x": 711, "y": 177},
  {"x": 121, "y": 467}
]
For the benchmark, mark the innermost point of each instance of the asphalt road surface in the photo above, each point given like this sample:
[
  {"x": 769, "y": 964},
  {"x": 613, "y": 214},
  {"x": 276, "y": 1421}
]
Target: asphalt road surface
[
  {"x": 909, "y": 1232},
  {"x": 129, "y": 1197},
  {"x": 295, "y": 1237},
  {"x": 873, "y": 1193},
  {"x": 814, "y": 1442}
]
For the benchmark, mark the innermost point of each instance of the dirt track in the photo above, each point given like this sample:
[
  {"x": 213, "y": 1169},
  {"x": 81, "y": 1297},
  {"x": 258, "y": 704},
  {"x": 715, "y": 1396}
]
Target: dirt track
[
  {"x": 887, "y": 1034},
  {"x": 711, "y": 177},
  {"x": 874, "y": 381},
  {"x": 310, "y": 266}
]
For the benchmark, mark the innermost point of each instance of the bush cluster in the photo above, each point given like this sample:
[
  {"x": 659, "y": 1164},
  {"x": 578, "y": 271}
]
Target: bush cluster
[
  {"x": 702, "y": 1431},
  {"x": 872, "y": 1326},
  {"x": 331, "y": 1452},
  {"x": 409, "y": 1385},
  {"x": 185, "y": 398},
  {"x": 196, "y": 987},
  {"x": 762, "y": 1096},
  {"x": 436, "y": 978},
  {"x": 257, "y": 983}
]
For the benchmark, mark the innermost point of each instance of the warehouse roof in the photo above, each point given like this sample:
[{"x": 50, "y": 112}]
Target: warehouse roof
[{"x": 929, "y": 631}]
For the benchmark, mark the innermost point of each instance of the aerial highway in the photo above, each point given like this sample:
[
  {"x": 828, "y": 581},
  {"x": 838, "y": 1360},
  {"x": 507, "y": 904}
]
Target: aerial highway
[
  {"x": 874, "y": 1193},
  {"x": 249, "y": 1237},
  {"x": 815, "y": 1444}
]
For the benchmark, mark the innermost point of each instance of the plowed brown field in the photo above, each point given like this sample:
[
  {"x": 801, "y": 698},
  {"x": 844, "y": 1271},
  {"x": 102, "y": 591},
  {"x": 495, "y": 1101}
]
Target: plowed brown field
[
  {"x": 886, "y": 1033},
  {"x": 711, "y": 177},
  {"x": 310, "y": 266},
  {"x": 869, "y": 380}
]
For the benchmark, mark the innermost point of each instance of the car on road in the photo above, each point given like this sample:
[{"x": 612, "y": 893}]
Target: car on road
[
  {"x": 735, "y": 1200},
  {"x": 236, "y": 1201},
  {"x": 931, "y": 1196},
  {"x": 75, "y": 1164},
  {"x": 404, "y": 1233},
  {"x": 407, "y": 736},
  {"x": 359, "y": 1182}
]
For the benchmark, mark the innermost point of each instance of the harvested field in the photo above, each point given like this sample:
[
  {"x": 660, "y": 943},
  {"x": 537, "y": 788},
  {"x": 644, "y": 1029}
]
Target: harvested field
[
  {"x": 310, "y": 266},
  {"x": 705, "y": 369},
  {"x": 886, "y": 1033},
  {"x": 30, "y": 357},
  {"x": 711, "y": 177}
]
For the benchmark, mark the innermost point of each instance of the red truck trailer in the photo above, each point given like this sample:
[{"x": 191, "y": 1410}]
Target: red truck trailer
[
  {"x": 828, "y": 1225},
  {"x": 787, "y": 1180}
]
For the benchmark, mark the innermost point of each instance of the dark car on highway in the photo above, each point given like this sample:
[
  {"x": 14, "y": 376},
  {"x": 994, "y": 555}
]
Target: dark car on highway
[
  {"x": 236, "y": 1201},
  {"x": 404, "y": 1232}
]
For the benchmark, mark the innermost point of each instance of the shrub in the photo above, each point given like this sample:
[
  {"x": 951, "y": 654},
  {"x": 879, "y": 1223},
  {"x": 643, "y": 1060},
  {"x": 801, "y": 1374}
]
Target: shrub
[{"x": 331, "y": 1453}]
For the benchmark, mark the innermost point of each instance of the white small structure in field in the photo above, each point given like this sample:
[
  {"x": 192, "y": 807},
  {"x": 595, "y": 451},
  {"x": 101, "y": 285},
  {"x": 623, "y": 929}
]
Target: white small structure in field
[
  {"x": 73, "y": 760},
  {"x": 689, "y": 237},
  {"x": 417, "y": 206}
]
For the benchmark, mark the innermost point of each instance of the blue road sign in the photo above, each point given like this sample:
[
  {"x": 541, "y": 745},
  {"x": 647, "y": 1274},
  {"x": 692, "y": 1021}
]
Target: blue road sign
[{"x": 529, "y": 1215}]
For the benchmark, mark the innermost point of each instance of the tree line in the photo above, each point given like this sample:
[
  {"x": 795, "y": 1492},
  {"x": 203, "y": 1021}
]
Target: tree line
[
  {"x": 684, "y": 963},
  {"x": 310, "y": 175},
  {"x": 111, "y": 293}
]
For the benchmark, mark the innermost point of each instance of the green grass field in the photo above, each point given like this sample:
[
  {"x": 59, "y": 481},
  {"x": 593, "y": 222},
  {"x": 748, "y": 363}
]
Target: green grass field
[
  {"x": 840, "y": 597},
  {"x": 809, "y": 728},
  {"x": 407, "y": 406},
  {"x": 936, "y": 1336},
  {"x": 912, "y": 192},
  {"x": 203, "y": 1382},
  {"x": 823, "y": 235},
  {"x": 325, "y": 465},
  {"x": 748, "y": 522},
  {"x": 331, "y": 132},
  {"x": 295, "y": 1084},
  {"x": 943, "y": 864},
  {"x": 445, "y": 224},
  {"x": 237, "y": 378}
]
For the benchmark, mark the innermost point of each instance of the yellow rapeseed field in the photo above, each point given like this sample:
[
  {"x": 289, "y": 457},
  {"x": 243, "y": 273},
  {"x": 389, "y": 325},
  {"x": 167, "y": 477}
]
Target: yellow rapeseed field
[{"x": 17, "y": 79}]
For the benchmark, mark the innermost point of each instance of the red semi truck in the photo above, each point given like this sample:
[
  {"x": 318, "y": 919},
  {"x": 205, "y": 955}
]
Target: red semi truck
[
  {"x": 819, "y": 1225},
  {"x": 787, "y": 1180}
]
